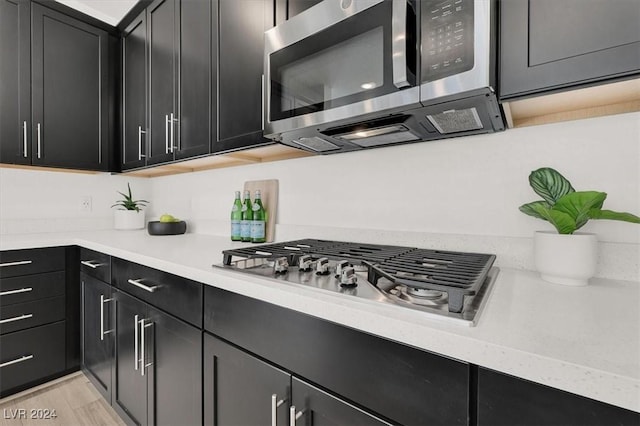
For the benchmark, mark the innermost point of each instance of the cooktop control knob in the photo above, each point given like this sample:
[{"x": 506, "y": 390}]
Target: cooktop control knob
[
  {"x": 322, "y": 266},
  {"x": 340, "y": 267},
  {"x": 281, "y": 265},
  {"x": 348, "y": 277},
  {"x": 305, "y": 263}
]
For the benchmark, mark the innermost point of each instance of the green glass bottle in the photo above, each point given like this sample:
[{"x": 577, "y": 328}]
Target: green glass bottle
[
  {"x": 236, "y": 218},
  {"x": 246, "y": 218},
  {"x": 259, "y": 222}
]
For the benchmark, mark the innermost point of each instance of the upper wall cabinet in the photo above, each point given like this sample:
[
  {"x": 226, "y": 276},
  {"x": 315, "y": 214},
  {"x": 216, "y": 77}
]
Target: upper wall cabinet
[
  {"x": 56, "y": 108},
  {"x": 550, "y": 44},
  {"x": 241, "y": 27},
  {"x": 167, "y": 82}
]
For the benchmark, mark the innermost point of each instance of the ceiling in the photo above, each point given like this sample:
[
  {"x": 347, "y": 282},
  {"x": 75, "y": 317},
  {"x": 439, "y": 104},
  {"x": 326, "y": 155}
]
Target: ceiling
[{"x": 109, "y": 11}]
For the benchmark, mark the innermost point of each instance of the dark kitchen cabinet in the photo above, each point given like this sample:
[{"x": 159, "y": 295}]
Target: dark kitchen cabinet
[
  {"x": 98, "y": 333},
  {"x": 135, "y": 132},
  {"x": 70, "y": 92},
  {"x": 550, "y": 44},
  {"x": 15, "y": 82},
  {"x": 158, "y": 366},
  {"x": 241, "y": 27},
  {"x": 510, "y": 401},
  {"x": 241, "y": 389}
]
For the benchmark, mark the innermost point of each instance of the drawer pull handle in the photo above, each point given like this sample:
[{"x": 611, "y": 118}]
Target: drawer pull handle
[
  {"x": 21, "y": 317},
  {"x": 275, "y": 403},
  {"x": 16, "y": 291},
  {"x": 21, "y": 262},
  {"x": 17, "y": 360},
  {"x": 137, "y": 283},
  {"x": 91, "y": 264},
  {"x": 293, "y": 416},
  {"x": 102, "y": 302}
]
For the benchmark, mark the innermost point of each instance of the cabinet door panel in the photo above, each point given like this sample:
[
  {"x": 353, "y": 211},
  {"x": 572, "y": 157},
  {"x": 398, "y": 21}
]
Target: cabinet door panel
[
  {"x": 69, "y": 90},
  {"x": 134, "y": 82},
  {"x": 161, "y": 20},
  {"x": 321, "y": 409},
  {"x": 130, "y": 390},
  {"x": 15, "y": 84},
  {"x": 241, "y": 29},
  {"x": 174, "y": 350},
  {"x": 238, "y": 387},
  {"x": 195, "y": 115},
  {"x": 548, "y": 45},
  {"x": 97, "y": 333}
]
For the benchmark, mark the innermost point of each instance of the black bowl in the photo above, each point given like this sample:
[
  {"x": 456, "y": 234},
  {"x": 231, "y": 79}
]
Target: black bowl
[{"x": 167, "y": 228}]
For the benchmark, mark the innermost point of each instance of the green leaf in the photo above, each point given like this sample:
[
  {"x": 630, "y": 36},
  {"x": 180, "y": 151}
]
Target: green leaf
[
  {"x": 611, "y": 215},
  {"x": 579, "y": 204},
  {"x": 563, "y": 222},
  {"x": 549, "y": 184}
]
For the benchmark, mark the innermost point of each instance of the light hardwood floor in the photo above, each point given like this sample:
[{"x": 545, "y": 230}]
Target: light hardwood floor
[{"x": 74, "y": 399}]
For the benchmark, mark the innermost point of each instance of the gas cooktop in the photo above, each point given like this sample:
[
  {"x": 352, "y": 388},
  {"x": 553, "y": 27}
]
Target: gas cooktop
[{"x": 447, "y": 284}]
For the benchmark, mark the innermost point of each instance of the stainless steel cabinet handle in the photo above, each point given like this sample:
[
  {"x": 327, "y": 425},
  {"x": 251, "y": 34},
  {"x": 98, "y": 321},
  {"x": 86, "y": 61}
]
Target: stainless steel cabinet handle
[
  {"x": 293, "y": 416},
  {"x": 275, "y": 403},
  {"x": 399, "y": 37},
  {"x": 91, "y": 264},
  {"x": 173, "y": 120},
  {"x": 166, "y": 134},
  {"x": 19, "y": 290},
  {"x": 18, "y": 263},
  {"x": 137, "y": 283},
  {"x": 135, "y": 343},
  {"x": 262, "y": 85},
  {"x": 143, "y": 358},
  {"x": 39, "y": 142},
  {"x": 25, "y": 153},
  {"x": 18, "y": 318},
  {"x": 140, "y": 132},
  {"x": 17, "y": 360},
  {"x": 102, "y": 302}
]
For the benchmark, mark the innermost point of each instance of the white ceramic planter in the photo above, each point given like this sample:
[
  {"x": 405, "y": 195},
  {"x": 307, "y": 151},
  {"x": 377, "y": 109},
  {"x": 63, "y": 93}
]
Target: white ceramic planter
[
  {"x": 128, "y": 219},
  {"x": 566, "y": 259}
]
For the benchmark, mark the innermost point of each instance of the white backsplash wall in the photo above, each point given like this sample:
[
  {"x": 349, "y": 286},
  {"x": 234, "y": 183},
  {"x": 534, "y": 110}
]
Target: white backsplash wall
[
  {"x": 462, "y": 189},
  {"x": 34, "y": 201}
]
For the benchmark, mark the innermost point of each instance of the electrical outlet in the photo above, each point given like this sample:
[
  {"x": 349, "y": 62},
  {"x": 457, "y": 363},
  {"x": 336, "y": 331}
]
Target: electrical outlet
[{"x": 85, "y": 203}]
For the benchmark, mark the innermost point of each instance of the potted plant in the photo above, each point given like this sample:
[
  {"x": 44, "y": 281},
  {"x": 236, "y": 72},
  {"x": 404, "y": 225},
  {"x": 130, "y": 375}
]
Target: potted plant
[
  {"x": 566, "y": 257},
  {"x": 129, "y": 214}
]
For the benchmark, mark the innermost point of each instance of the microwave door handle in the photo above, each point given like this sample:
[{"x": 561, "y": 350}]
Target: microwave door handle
[{"x": 399, "y": 43}]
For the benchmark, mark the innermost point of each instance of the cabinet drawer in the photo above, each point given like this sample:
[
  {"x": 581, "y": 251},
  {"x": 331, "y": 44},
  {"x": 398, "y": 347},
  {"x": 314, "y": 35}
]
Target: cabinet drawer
[
  {"x": 31, "y": 314},
  {"x": 95, "y": 264},
  {"x": 15, "y": 263},
  {"x": 31, "y": 287},
  {"x": 175, "y": 295},
  {"x": 29, "y": 355}
]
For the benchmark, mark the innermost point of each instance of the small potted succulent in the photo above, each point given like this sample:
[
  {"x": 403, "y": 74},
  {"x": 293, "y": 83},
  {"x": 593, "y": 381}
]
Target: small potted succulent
[
  {"x": 129, "y": 214},
  {"x": 566, "y": 256}
]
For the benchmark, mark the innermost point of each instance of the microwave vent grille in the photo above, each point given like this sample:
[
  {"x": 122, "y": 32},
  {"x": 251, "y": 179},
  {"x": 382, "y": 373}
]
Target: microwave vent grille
[
  {"x": 316, "y": 144},
  {"x": 454, "y": 121}
]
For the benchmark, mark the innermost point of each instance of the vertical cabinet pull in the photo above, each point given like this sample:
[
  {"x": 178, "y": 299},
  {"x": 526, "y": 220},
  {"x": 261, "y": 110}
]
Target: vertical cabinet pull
[
  {"x": 293, "y": 416},
  {"x": 39, "y": 142},
  {"x": 102, "y": 302},
  {"x": 135, "y": 343},
  {"x": 140, "y": 132},
  {"x": 25, "y": 153},
  {"x": 16, "y": 291},
  {"x": 17, "y": 360},
  {"x": 143, "y": 358},
  {"x": 173, "y": 120},
  {"x": 263, "y": 98},
  {"x": 275, "y": 403},
  {"x": 166, "y": 134}
]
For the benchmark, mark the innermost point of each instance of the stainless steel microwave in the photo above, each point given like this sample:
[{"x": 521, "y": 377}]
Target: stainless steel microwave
[{"x": 353, "y": 74}]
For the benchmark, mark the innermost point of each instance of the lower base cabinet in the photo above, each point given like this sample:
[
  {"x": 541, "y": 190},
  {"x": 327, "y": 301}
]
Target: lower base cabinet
[
  {"x": 510, "y": 401},
  {"x": 158, "y": 366},
  {"x": 241, "y": 389}
]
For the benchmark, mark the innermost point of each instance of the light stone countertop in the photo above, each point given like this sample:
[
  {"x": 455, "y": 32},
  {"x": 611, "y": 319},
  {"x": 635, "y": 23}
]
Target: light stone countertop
[{"x": 585, "y": 340}]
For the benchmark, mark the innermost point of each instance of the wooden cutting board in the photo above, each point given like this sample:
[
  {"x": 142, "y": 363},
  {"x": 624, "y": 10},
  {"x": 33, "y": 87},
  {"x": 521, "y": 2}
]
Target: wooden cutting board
[{"x": 269, "y": 195}]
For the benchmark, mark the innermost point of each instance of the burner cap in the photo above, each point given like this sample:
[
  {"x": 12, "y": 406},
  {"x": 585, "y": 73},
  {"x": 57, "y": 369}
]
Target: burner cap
[{"x": 425, "y": 293}]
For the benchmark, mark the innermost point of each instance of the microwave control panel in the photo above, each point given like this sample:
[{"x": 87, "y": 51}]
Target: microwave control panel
[{"x": 447, "y": 38}]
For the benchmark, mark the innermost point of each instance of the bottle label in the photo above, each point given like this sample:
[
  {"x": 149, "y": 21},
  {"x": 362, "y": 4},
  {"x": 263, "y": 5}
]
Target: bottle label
[
  {"x": 255, "y": 207},
  {"x": 245, "y": 228},
  {"x": 234, "y": 208},
  {"x": 235, "y": 229},
  {"x": 257, "y": 229},
  {"x": 244, "y": 207}
]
